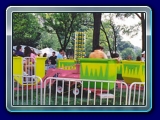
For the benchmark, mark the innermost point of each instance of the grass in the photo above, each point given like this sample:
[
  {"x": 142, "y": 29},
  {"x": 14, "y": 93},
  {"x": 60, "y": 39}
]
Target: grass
[{"x": 33, "y": 98}]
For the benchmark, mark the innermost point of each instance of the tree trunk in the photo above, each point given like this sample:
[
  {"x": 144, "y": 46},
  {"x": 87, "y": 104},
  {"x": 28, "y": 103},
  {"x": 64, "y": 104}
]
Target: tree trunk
[
  {"x": 96, "y": 31},
  {"x": 143, "y": 20},
  {"x": 115, "y": 48},
  {"x": 115, "y": 37},
  {"x": 109, "y": 46},
  {"x": 143, "y": 26}
]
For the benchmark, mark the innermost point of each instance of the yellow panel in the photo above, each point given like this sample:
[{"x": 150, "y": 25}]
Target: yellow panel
[
  {"x": 18, "y": 69},
  {"x": 40, "y": 67}
]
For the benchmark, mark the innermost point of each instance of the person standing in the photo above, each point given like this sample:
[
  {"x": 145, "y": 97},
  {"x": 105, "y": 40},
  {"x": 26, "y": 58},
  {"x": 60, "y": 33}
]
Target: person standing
[
  {"x": 53, "y": 58},
  {"x": 29, "y": 62},
  {"x": 45, "y": 55},
  {"x": 138, "y": 58},
  {"x": 19, "y": 51},
  {"x": 129, "y": 57},
  {"x": 52, "y": 61},
  {"x": 60, "y": 54},
  {"x": 143, "y": 56},
  {"x": 64, "y": 56}
]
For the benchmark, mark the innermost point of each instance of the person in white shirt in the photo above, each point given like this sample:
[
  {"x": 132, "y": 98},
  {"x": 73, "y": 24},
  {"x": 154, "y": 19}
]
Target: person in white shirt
[
  {"x": 60, "y": 54},
  {"x": 64, "y": 56},
  {"x": 143, "y": 56}
]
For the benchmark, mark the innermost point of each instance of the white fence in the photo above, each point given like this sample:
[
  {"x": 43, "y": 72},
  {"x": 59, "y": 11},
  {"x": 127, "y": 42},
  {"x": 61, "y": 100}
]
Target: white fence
[
  {"x": 29, "y": 66},
  {"x": 68, "y": 91},
  {"x": 28, "y": 93},
  {"x": 137, "y": 93}
]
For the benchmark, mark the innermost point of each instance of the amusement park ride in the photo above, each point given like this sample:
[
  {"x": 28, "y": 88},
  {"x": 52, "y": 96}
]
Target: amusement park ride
[{"x": 85, "y": 68}]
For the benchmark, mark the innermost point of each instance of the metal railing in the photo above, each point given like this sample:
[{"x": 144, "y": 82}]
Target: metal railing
[
  {"x": 27, "y": 92},
  {"x": 137, "y": 93},
  {"x": 69, "y": 91}
]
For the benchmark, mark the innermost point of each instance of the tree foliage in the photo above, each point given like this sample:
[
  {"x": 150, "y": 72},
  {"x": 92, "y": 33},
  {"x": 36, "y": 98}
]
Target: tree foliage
[
  {"x": 123, "y": 45},
  {"x": 26, "y": 29},
  {"x": 89, "y": 43},
  {"x": 111, "y": 31},
  {"x": 48, "y": 40},
  {"x": 128, "y": 52},
  {"x": 63, "y": 24},
  {"x": 57, "y": 30},
  {"x": 138, "y": 51},
  {"x": 133, "y": 30}
]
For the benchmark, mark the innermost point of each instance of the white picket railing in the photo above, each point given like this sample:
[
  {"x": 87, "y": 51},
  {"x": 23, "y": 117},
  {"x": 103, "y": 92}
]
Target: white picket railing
[
  {"x": 69, "y": 91},
  {"x": 137, "y": 93},
  {"x": 30, "y": 91}
]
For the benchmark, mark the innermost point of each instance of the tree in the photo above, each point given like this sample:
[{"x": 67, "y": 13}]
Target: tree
[
  {"x": 111, "y": 32},
  {"x": 107, "y": 37},
  {"x": 123, "y": 45},
  {"x": 138, "y": 51},
  {"x": 89, "y": 43},
  {"x": 63, "y": 24},
  {"x": 26, "y": 29},
  {"x": 48, "y": 40},
  {"x": 113, "y": 37},
  {"x": 134, "y": 29},
  {"x": 128, "y": 52}
]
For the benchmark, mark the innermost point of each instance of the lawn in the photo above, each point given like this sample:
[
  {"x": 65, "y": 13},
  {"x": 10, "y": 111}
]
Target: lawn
[{"x": 33, "y": 98}]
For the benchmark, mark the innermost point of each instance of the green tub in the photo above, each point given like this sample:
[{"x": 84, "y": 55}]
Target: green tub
[
  {"x": 98, "y": 69},
  {"x": 133, "y": 71},
  {"x": 66, "y": 64}
]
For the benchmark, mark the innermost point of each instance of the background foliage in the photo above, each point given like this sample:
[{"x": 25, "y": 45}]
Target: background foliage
[{"x": 56, "y": 30}]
